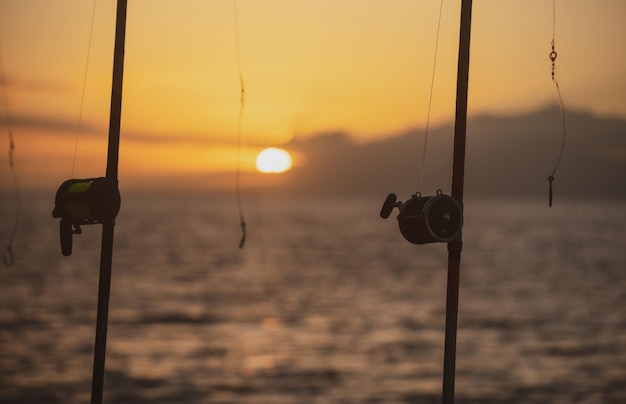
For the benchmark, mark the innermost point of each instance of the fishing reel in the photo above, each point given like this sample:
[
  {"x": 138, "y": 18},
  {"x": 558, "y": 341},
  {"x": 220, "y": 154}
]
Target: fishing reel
[
  {"x": 427, "y": 219},
  {"x": 84, "y": 201}
]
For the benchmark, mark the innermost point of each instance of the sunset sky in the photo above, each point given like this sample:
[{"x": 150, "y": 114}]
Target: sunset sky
[{"x": 363, "y": 67}]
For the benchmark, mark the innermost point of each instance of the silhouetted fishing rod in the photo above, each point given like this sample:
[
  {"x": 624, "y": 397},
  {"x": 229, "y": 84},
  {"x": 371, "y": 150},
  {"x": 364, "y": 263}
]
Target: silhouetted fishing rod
[
  {"x": 439, "y": 218},
  {"x": 97, "y": 200},
  {"x": 458, "y": 180}
]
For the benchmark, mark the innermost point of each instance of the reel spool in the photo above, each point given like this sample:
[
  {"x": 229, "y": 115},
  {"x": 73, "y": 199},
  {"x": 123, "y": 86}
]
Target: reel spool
[
  {"x": 84, "y": 201},
  {"x": 427, "y": 219}
]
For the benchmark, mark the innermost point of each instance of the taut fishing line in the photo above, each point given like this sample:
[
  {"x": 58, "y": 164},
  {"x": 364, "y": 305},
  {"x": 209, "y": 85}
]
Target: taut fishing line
[
  {"x": 9, "y": 257},
  {"x": 82, "y": 97},
  {"x": 553, "y": 56},
  {"x": 430, "y": 98},
  {"x": 242, "y": 100}
]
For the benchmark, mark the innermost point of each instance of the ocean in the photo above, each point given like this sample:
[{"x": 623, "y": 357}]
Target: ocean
[{"x": 326, "y": 303}]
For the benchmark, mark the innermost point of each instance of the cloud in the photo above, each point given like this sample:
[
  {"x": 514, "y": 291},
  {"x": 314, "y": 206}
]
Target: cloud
[
  {"x": 66, "y": 127},
  {"x": 204, "y": 140},
  {"x": 55, "y": 124},
  {"x": 35, "y": 86}
]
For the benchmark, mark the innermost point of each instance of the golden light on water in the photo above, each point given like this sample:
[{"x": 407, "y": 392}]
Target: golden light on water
[{"x": 273, "y": 160}]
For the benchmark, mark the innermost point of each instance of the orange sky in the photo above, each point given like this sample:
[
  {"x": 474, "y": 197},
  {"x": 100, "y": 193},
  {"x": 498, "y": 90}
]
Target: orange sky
[{"x": 309, "y": 66}]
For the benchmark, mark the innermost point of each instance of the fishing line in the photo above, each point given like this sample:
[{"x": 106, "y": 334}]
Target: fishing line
[
  {"x": 430, "y": 98},
  {"x": 553, "y": 56},
  {"x": 9, "y": 257},
  {"x": 242, "y": 101},
  {"x": 82, "y": 98},
  {"x": 592, "y": 320}
]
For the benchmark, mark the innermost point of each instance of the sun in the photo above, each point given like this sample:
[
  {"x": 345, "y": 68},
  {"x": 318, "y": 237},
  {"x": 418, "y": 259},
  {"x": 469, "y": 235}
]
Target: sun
[{"x": 273, "y": 160}]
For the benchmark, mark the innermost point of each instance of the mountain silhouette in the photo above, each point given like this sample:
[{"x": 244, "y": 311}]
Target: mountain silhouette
[{"x": 507, "y": 156}]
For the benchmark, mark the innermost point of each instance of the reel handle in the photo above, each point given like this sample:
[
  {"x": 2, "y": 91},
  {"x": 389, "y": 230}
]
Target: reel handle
[
  {"x": 388, "y": 205},
  {"x": 66, "y": 230}
]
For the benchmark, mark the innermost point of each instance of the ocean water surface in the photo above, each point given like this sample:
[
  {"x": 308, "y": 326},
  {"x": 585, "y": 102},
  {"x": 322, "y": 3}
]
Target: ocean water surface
[{"x": 326, "y": 303}]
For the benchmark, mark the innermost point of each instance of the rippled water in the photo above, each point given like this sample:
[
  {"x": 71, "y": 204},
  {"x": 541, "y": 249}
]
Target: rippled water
[{"x": 327, "y": 303}]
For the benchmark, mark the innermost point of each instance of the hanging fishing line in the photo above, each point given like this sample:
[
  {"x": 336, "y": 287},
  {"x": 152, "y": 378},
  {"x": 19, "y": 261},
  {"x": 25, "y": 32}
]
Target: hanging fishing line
[
  {"x": 553, "y": 56},
  {"x": 9, "y": 258},
  {"x": 430, "y": 98},
  {"x": 82, "y": 98},
  {"x": 242, "y": 101}
]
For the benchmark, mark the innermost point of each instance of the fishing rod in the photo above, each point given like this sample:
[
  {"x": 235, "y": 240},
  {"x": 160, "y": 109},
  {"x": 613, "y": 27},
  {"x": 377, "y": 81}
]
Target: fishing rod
[
  {"x": 439, "y": 218},
  {"x": 97, "y": 201}
]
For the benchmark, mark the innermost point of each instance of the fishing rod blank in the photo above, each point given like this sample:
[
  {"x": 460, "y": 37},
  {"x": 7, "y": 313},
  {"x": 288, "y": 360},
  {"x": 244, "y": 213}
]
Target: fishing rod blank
[
  {"x": 439, "y": 218},
  {"x": 97, "y": 200}
]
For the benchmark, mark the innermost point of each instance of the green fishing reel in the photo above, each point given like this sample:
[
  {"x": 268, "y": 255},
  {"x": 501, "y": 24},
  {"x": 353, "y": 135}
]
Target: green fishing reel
[
  {"x": 84, "y": 201},
  {"x": 427, "y": 219}
]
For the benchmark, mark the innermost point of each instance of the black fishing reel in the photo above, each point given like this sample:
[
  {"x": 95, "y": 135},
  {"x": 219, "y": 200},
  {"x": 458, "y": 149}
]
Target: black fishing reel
[
  {"x": 84, "y": 201},
  {"x": 427, "y": 219}
]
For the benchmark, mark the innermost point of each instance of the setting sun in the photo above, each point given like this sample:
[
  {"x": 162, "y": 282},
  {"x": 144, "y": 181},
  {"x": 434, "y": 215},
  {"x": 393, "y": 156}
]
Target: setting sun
[{"x": 273, "y": 160}]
